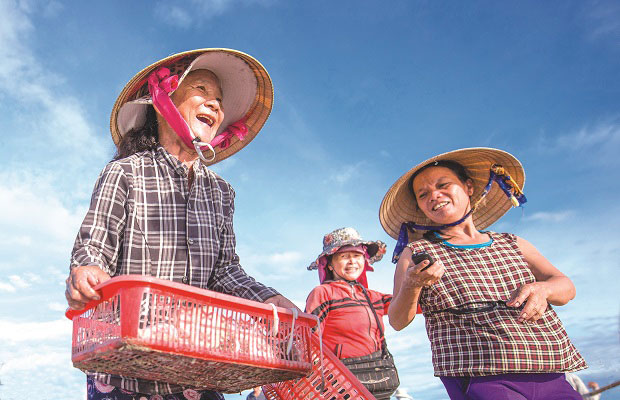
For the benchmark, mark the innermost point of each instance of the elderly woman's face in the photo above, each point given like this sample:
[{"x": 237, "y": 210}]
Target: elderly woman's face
[
  {"x": 441, "y": 195},
  {"x": 199, "y": 100}
]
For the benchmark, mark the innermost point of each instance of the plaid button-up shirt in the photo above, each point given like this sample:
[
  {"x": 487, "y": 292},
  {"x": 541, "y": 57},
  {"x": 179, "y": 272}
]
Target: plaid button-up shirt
[{"x": 144, "y": 219}]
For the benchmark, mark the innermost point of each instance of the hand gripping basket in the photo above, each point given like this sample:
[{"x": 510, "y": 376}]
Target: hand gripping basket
[
  {"x": 330, "y": 379},
  {"x": 159, "y": 330}
]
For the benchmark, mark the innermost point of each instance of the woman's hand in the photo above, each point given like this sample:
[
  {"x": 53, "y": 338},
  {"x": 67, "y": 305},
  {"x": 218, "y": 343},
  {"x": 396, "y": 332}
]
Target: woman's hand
[
  {"x": 409, "y": 280},
  {"x": 558, "y": 288},
  {"x": 80, "y": 285},
  {"x": 281, "y": 301},
  {"x": 534, "y": 296},
  {"x": 416, "y": 278}
]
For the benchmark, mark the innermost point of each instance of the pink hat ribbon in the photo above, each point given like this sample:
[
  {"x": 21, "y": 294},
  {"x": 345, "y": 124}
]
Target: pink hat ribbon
[{"x": 161, "y": 84}]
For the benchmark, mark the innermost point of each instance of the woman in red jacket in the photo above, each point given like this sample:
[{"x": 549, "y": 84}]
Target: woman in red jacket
[{"x": 351, "y": 314}]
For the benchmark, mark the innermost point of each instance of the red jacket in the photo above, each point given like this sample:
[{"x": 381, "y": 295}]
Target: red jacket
[{"x": 347, "y": 322}]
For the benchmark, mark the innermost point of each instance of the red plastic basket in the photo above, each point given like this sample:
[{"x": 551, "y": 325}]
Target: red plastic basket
[
  {"x": 153, "y": 329},
  {"x": 340, "y": 383}
]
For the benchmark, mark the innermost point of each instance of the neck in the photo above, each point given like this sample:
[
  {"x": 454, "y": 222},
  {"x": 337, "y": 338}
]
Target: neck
[
  {"x": 175, "y": 146},
  {"x": 463, "y": 233}
]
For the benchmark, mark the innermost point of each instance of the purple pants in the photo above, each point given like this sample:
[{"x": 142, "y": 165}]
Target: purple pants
[{"x": 551, "y": 386}]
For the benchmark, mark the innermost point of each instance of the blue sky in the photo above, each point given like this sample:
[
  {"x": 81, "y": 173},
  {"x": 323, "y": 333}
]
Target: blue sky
[{"x": 363, "y": 92}]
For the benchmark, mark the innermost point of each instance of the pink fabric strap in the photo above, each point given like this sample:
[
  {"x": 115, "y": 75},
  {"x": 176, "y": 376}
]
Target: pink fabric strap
[{"x": 161, "y": 84}]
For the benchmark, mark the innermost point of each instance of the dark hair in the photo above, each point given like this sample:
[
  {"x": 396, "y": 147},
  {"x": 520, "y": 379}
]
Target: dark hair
[
  {"x": 329, "y": 274},
  {"x": 139, "y": 139},
  {"x": 460, "y": 172}
]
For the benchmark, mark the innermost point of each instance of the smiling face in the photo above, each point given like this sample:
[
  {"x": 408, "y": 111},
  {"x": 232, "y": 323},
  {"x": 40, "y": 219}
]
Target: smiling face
[
  {"x": 347, "y": 265},
  {"x": 441, "y": 195},
  {"x": 199, "y": 101}
]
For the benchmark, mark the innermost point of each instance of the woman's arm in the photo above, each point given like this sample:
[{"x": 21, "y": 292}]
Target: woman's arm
[
  {"x": 96, "y": 249},
  {"x": 551, "y": 285},
  {"x": 408, "y": 284}
]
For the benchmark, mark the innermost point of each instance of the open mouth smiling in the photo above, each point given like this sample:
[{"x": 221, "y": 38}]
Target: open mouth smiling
[{"x": 205, "y": 119}]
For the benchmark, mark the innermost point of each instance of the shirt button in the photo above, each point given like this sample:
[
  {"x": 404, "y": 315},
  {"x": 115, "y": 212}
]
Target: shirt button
[
  {"x": 185, "y": 279},
  {"x": 189, "y": 206},
  {"x": 190, "y": 241}
]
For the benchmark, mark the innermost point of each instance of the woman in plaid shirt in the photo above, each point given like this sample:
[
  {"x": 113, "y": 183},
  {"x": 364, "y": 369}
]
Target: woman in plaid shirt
[
  {"x": 157, "y": 209},
  {"x": 486, "y": 297}
]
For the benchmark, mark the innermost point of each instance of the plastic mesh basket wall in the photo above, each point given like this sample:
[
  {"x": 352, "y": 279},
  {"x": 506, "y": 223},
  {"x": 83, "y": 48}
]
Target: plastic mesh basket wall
[
  {"x": 340, "y": 383},
  {"x": 160, "y": 330}
]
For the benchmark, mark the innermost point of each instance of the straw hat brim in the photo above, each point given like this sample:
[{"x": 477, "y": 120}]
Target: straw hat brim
[
  {"x": 246, "y": 86},
  {"x": 399, "y": 204}
]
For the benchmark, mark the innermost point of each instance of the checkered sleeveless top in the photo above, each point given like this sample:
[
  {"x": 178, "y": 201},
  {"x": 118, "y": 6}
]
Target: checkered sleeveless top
[{"x": 489, "y": 342}]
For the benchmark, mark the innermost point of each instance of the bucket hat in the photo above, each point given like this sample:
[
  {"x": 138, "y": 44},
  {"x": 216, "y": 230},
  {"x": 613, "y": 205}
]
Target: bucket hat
[
  {"x": 246, "y": 86},
  {"x": 341, "y": 237},
  {"x": 484, "y": 166}
]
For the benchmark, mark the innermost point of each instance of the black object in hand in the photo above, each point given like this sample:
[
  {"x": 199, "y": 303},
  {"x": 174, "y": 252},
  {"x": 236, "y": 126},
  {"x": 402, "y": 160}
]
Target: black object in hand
[{"x": 419, "y": 257}]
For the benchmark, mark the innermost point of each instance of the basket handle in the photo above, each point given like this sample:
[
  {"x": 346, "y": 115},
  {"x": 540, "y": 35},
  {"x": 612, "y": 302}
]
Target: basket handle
[{"x": 105, "y": 293}]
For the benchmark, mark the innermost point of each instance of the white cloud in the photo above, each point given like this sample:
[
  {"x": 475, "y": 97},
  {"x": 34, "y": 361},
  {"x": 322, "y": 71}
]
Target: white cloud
[
  {"x": 19, "y": 282},
  {"x": 559, "y": 216},
  {"x": 31, "y": 211},
  {"x": 192, "y": 11},
  {"x": 7, "y": 287},
  {"x": 596, "y": 144},
  {"x": 35, "y": 331},
  {"x": 33, "y": 84},
  {"x": 346, "y": 173},
  {"x": 282, "y": 264},
  {"x": 602, "y": 134},
  {"x": 604, "y": 19},
  {"x": 173, "y": 15},
  {"x": 55, "y": 306}
]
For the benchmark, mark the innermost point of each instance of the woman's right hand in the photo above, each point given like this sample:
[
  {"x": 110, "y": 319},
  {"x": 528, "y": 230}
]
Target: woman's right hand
[
  {"x": 80, "y": 285},
  {"x": 416, "y": 278}
]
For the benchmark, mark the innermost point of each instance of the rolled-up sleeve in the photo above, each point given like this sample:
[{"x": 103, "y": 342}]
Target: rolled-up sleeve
[{"x": 99, "y": 237}]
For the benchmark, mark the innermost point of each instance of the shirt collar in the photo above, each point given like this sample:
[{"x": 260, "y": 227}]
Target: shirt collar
[{"x": 162, "y": 154}]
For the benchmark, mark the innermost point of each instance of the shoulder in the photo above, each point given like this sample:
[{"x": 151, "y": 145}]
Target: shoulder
[
  {"x": 420, "y": 245},
  {"x": 501, "y": 235},
  {"x": 321, "y": 290},
  {"x": 129, "y": 163},
  {"x": 319, "y": 298},
  {"x": 219, "y": 182},
  {"x": 325, "y": 291},
  {"x": 376, "y": 295}
]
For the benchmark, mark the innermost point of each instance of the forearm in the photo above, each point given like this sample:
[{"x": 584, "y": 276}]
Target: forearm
[
  {"x": 559, "y": 290},
  {"x": 403, "y": 307},
  {"x": 230, "y": 278}
]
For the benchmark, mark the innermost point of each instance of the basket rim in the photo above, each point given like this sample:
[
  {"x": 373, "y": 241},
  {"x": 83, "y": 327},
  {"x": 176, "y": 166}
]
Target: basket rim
[{"x": 111, "y": 287}]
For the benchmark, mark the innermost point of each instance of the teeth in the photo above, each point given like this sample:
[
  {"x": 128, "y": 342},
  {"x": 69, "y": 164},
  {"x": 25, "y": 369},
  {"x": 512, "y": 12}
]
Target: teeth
[
  {"x": 208, "y": 120},
  {"x": 440, "y": 205}
]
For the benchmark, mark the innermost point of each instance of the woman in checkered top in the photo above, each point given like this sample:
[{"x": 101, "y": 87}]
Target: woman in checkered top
[
  {"x": 486, "y": 297},
  {"x": 157, "y": 209}
]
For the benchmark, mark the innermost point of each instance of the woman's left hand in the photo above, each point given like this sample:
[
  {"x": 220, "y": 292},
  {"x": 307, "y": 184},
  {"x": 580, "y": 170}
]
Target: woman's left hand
[
  {"x": 534, "y": 296},
  {"x": 281, "y": 301}
]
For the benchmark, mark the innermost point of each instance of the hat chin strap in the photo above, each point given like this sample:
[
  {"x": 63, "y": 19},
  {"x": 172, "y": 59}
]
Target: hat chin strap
[{"x": 161, "y": 84}]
